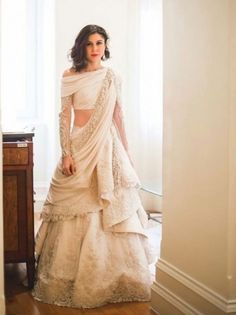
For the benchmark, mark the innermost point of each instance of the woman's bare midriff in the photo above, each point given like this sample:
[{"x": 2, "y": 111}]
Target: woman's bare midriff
[{"x": 82, "y": 116}]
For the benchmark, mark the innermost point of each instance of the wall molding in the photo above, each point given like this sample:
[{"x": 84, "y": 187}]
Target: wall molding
[
  {"x": 205, "y": 292},
  {"x": 154, "y": 311},
  {"x": 175, "y": 300}
]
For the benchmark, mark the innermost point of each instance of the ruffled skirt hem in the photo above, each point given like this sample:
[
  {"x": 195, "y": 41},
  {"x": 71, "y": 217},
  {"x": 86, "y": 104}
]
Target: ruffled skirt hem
[
  {"x": 114, "y": 301},
  {"x": 82, "y": 266}
]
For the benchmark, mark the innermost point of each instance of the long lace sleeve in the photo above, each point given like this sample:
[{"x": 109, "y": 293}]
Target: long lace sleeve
[
  {"x": 118, "y": 115},
  {"x": 65, "y": 124}
]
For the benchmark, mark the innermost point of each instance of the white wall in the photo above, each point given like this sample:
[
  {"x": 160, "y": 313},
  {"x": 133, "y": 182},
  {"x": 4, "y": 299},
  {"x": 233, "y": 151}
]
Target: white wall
[
  {"x": 196, "y": 136},
  {"x": 231, "y": 229},
  {"x": 199, "y": 206}
]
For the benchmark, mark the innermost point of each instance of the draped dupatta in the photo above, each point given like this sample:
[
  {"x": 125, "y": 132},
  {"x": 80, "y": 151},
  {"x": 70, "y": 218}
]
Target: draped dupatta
[
  {"x": 88, "y": 144},
  {"x": 104, "y": 179}
]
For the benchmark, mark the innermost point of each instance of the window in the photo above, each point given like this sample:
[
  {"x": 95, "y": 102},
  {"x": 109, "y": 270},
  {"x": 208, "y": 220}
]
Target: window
[
  {"x": 18, "y": 75},
  {"x": 28, "y": 76}
]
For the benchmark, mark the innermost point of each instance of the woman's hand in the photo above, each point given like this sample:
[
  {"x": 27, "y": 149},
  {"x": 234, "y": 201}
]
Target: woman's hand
[{"x": 68, "y": 165}]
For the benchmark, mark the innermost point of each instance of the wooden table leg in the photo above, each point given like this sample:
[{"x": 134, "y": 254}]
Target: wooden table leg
[{"x": 30, "y": 264}]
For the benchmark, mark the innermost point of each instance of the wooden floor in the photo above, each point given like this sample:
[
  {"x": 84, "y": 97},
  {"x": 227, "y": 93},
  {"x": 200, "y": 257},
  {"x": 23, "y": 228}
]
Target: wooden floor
[{"x": 20, "y": 302}]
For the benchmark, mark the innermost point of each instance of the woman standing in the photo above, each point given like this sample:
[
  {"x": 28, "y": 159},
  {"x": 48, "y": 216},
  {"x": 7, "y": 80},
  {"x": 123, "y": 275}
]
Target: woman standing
[{"x": 91, "y": 246}]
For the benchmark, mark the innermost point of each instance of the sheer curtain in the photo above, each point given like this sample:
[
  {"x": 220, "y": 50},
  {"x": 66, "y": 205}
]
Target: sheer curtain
[
  {"x": 151, "y": 93},
  {"x": 144, "y": 114},
  {"x": 28, "y": 77},
  {"x": 16, "y": 77}
]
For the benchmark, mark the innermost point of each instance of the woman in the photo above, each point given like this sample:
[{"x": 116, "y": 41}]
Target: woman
[{"x": 91, "y": 246}]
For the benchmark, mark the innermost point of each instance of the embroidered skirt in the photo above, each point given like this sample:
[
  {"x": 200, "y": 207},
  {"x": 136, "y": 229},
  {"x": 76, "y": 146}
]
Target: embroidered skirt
[{"x": 91, "y": 246}]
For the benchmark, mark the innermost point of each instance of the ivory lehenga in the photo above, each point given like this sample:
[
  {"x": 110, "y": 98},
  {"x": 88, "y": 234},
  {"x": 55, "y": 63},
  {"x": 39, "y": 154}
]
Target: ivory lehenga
[{"x": 91, "y": 246}]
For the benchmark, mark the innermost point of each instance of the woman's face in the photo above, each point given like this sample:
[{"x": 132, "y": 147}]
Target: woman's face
[{"x": 95, "y": 48}]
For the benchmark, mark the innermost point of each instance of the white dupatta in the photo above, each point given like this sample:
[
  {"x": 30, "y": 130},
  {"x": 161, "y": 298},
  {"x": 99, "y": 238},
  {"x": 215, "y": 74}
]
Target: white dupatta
[{"x": 105, "y": 179}]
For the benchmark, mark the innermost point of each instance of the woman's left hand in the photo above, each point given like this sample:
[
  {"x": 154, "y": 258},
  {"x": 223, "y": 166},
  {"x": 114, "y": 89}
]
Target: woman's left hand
[{"x": 68, "y": 165}]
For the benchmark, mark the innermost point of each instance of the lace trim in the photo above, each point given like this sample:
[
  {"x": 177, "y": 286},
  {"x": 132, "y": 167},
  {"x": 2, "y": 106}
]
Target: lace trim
[
  {"x": 53, "y": 213},
  {"x": 118, "y": 116},
  {"x": 64, "y": 124},
  {"x": 116, "y": 166},
  {"x": 55, "y": 217},
  {"x": 123, "y": 173},
  {"x": 125, "y": 289},
  {"x": 124, "y": 204}
]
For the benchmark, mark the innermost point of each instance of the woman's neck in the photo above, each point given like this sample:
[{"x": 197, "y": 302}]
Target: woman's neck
[{"x": 93, "y": 67}]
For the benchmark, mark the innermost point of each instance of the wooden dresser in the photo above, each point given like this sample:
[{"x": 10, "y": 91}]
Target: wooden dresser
[{"x": 18, "y": 200}]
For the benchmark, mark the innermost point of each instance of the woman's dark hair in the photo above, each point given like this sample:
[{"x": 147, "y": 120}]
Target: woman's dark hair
[{"x": 78, "y": 53}]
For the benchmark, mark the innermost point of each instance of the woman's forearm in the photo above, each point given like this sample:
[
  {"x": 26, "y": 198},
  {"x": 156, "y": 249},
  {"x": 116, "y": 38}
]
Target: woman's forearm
[{"x": 119, "y": 123}]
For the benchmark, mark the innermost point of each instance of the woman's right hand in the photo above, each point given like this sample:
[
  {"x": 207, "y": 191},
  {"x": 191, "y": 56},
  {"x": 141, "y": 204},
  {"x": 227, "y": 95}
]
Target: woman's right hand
[{"x": 68, "y": 165}]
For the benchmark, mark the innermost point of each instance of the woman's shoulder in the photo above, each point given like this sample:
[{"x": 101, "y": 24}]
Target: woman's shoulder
[{"x": 69, "y": 72}]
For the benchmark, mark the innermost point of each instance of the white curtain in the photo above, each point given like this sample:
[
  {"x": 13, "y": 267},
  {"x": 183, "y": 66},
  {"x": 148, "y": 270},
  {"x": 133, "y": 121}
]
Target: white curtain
[
  {"x": 144, "y": 115},
  {"x": 28, "y": 77},
  {"x": 14, "y": 90}
]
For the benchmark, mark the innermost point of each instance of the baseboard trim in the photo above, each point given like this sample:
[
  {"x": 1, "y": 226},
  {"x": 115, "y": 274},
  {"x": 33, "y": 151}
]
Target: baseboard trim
[
  {"x": 208, "y": 294},
  {"x": 2, "y": 304},
  {"x": 154, "y": 311},
  {"x": 175, "y": 300}
]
